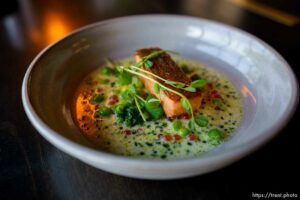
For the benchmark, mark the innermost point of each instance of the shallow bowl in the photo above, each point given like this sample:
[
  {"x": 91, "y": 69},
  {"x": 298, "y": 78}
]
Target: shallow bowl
[{"x": 266, "y": 83}]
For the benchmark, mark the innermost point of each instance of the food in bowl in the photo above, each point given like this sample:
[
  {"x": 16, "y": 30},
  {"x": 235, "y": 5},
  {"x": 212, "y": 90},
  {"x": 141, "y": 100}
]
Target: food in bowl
[
  {"x": 266, "y": 84},
  {"x": 156, "y": 106}
]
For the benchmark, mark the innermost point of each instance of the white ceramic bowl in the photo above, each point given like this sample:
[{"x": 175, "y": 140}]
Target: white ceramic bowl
[{"x": 267, "y": 84}]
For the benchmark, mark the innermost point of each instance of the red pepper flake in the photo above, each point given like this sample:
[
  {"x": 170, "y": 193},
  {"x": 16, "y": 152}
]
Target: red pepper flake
[
  {"x": 99, "y": 90},
  {"x": 112, "y": 100},
  {"x": 209, "y": 86},
  {"x": 215, "y": 94},
  {"x": 167, "y": 138},
  {"x": 193, "y": 137},
  {"x": 127, "y": 132},
  {"x": 217, "y": 108},
  {"x": 177, "y": 137}
]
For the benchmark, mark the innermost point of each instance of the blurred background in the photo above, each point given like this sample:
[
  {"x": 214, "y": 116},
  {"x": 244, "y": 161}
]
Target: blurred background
[
  {"x": 31, "y": 168},
  {"x": 42, "y": 22}
]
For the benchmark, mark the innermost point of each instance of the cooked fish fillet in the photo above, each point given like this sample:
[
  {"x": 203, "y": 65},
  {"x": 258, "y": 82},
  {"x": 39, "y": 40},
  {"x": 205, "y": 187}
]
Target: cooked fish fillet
[{"x": 165, "y": 67}]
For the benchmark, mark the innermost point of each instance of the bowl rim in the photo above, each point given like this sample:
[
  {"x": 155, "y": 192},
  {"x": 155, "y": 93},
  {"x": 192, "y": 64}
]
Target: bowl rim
[{"x": 83, "y": 152}]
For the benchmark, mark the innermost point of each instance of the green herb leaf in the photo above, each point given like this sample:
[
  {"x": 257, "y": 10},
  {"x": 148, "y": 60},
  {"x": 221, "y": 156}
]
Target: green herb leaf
[
  {"x": 153, "y": 100},
  {"x": 150, "y": 96},
  {"x": 201, "y": 120},
  {"x": 119, "y": 108},
  {"x": 146, "y": 60},
  {"x": 139, "y": 64},
  {"x": 144, "y": 117},
  {"x": 128, "y": 114},
  {"x": 175, "y": 84},
  {"x": 218, "y": 102},
  {"x": 124, "y": 94},
  {"x": 103, "y": 112},
  {"x": 154, "y": 108},
  {"x": 132, "y": 89},
  {"x": 97, "y": 98},
  {"x": 185, "y": 104},
  {"x": 190, "y": 89},
  {"x": 105, "y": 70},
  {"x": 148, "y": 63},
  {"x": 191, "y": 125},
  {"x": 215, "y": 134},
  {"x": 124, "y": 78},
  {"x": 154, "y": 54},
  {"x": 176, "y": 125},
  {"x": 184, "y": 132},
  {"x": 137, "y": 82},
  {"x": 156, "y": 88},
  {"x": 198, "y": 83}
]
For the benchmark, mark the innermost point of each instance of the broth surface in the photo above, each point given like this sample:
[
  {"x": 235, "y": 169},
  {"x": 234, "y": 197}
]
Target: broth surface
[{"x": 157, "y": 139}]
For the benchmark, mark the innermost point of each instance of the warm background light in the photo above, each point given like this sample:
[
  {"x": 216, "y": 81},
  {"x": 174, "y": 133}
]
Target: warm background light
[{"x": 56, "y": 27}]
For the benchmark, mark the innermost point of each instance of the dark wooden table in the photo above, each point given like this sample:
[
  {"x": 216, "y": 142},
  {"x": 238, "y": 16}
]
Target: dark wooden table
[{"x": 31, "y": 168}]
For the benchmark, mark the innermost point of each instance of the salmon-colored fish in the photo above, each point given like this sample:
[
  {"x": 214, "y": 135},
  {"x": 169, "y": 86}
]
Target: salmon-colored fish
[{"x": 165, "y": 67}]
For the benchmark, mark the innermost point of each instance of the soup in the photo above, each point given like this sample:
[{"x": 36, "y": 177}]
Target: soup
[{"x": 116, "y": 112}]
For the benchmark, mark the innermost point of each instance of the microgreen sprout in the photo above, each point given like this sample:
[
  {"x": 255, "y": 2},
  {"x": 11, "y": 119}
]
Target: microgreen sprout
[{"x": 183, "y": 99}]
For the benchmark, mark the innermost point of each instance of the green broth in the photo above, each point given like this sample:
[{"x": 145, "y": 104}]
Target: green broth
[{"x": 156, "y": 139}]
